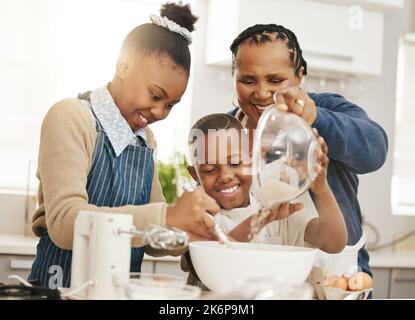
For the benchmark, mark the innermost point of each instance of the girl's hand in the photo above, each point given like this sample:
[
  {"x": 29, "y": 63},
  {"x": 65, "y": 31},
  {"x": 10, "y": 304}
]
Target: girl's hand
[
  {"x": 295, "y": 100},
  {"x": 191, "y": 214},
  {"x": 320, "y": 183}
]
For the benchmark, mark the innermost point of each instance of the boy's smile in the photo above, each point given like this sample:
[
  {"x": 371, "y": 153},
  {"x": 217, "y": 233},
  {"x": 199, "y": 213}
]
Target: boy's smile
[
  {"x": 231, "y": 190},
  {"x": 230, "y": 197}
]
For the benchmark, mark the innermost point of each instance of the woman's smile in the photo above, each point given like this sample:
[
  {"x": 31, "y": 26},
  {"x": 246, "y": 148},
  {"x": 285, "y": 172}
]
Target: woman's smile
[{"x": 261, "y": 106}]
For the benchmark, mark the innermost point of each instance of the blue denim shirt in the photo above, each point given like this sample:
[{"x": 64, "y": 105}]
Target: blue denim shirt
[{"x": 356, "y": 145}]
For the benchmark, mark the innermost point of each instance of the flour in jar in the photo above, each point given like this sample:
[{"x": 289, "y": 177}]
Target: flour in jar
[{"x": 278, "y": 191}]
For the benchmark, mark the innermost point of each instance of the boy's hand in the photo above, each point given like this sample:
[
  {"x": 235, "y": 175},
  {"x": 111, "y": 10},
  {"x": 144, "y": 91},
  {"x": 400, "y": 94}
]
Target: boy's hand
[
  {"x": 191, "y": 214},
  {"x": 243, "y": 231},
  {"x": 278, "y": 212},
  {"x": 282, "y": 211},
  {"x": 320, "y": 183}
]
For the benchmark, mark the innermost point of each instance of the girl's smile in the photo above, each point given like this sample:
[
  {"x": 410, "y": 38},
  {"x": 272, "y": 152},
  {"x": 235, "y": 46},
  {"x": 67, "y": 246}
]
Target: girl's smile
[{"x": 141, "y": 121}]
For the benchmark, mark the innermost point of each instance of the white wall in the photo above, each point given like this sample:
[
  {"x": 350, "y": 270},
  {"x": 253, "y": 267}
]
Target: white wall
[
  {"x": 378, "y": 99},
  {"x": 212, "y": 86},
  {"x": 213, "y": 92},
  {"x": 16, "y": 213}
]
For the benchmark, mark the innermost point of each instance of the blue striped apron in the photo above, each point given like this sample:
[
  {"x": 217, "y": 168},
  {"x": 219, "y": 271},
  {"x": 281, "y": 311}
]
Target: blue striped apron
[{"x": 112, "y": 182}]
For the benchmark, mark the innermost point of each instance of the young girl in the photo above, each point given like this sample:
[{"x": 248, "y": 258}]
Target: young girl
[
  {"x": 97, "y": 152},
  {"x": 223, "y": 176}
]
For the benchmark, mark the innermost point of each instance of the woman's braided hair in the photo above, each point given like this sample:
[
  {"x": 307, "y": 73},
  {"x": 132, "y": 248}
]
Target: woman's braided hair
[{"x": 261, "y": 33}]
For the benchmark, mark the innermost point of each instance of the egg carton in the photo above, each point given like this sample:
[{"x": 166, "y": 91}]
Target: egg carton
[
  {"x": 318, "y": 277},
  {"x": 328, "y": 293}
]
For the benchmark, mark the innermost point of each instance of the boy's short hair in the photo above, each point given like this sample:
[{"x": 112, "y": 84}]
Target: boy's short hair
[
  {"x": 208, "y": 125},
  {"x": 214, "y": 121}
]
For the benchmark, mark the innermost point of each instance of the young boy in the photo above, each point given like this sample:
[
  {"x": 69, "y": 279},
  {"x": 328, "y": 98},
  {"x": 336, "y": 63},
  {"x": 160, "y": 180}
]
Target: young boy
[{"x": 223, "y": 174}]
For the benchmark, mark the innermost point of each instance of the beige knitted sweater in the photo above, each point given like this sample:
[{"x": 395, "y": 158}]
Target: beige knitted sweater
[{"x": 67, "y": 143}]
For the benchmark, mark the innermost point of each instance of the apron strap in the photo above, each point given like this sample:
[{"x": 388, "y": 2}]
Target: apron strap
[{"x": 360, "y": 244}]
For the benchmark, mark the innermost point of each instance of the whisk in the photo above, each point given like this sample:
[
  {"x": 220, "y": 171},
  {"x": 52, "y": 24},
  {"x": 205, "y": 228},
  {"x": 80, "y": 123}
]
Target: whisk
[{"x": 160, "y": 237}]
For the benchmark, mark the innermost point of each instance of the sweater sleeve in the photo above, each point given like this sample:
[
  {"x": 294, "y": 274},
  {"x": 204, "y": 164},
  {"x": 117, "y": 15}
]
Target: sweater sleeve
[
  {"x": 65, "y": 155},
  {"x": 351, "y": 136}
]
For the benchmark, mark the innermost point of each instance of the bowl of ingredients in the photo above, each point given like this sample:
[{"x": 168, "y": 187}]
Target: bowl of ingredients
[{"x": 219, "y": 267}]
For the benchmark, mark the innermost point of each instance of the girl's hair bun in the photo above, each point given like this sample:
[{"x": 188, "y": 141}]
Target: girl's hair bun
[{"x": 179, "y": 13}]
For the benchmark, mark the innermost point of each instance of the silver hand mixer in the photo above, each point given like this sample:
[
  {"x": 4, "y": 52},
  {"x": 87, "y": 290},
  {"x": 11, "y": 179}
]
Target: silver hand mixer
[{"x": 102, "y": 248}]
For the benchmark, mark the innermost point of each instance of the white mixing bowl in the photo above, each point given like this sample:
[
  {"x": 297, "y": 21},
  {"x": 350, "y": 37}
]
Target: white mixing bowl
[{"x": 218, "y": 266}]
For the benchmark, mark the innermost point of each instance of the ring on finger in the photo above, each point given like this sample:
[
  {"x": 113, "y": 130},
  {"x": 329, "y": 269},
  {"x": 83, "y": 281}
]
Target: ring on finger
[{"x": 300, "y": 102}]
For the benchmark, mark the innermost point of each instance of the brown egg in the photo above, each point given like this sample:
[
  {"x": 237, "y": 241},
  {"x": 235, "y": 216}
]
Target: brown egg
[
  {"x": 340, "y": 282},
  {"x": 360, "y": 281},
  {"x": 346, "y": 277},
  {"x": 328, "y": 280},
  {"x": 324, "y": 275},
  {"x": 336, "y": 282}
]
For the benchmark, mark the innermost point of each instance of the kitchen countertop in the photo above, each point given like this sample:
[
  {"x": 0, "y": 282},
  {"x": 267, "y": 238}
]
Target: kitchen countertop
[
  {"x": 18, "y": 244},
  {"x": 386, "y": 258},
  {"x": 23, "y": 245}
]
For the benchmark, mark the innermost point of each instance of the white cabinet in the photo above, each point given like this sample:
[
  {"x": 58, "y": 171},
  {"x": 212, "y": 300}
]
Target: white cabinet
[
  {"x": 332, "y": 37},
  {"x": 171, "y": 268},
  {"x": 22, "y": 264},
  {"x": 378, "y": 5},
  {"x": 393, "y": 283},
  {"x": 164, "y": 265},
  {"x": 381, "y": 283},
  {"x": 15, "y": 265},
  {"x": 402, "y": 284}
]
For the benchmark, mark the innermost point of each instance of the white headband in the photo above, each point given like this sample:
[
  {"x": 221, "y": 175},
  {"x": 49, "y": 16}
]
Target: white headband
[{"x": 172, "y": 26}]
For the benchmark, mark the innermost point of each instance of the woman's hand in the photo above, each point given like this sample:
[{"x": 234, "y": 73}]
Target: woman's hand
[
  {"x": 295, "y": 100},
  {"x": 191, "y": 214},
  {"x": 320, "y": 183}
]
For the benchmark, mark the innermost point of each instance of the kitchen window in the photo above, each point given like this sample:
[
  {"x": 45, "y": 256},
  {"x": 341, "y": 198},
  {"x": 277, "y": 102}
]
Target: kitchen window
[
  {"x": 54, "y": 49},
  {"x": 403, "y": 179}
]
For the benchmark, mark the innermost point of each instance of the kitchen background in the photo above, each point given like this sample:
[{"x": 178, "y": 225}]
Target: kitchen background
[{"x": 362, "y": 49}]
